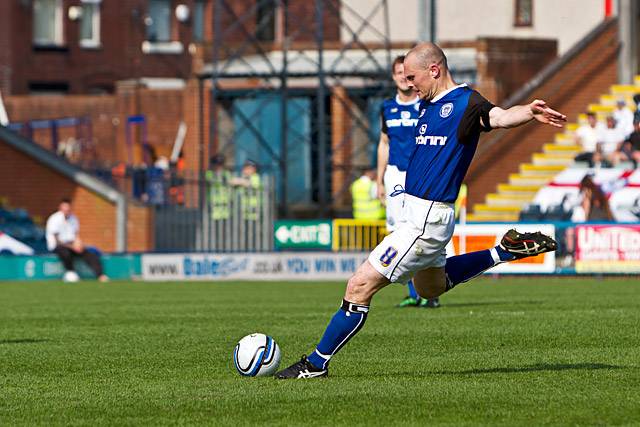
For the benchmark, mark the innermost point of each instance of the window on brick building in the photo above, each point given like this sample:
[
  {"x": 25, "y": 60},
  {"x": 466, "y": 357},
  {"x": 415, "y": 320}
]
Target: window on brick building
[
  {"x": 48, "y": 88},
  {"x": 524, "y": 13},
  {"x": 266, "y": 20},
  {"x": 198, "y": 21},
  {"x": 159, "y": 21},
  {"x": 90, "y": 23},
  {"x": 47, "y": 23}
]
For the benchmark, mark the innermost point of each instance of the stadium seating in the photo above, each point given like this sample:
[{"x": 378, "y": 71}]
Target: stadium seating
[
  {"x": 18, "y": 224},
  {"x": 511, "y": 201},
  {"x": 556, "y": 199}
]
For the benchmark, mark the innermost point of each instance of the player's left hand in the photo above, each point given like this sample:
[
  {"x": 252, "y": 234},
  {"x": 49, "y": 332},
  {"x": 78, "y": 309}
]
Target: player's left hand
[{"x": 544, "y": 114}]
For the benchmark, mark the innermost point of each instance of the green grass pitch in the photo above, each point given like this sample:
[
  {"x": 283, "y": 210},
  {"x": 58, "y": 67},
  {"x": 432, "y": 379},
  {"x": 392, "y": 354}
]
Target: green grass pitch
[{"x": 508, "y": 351}]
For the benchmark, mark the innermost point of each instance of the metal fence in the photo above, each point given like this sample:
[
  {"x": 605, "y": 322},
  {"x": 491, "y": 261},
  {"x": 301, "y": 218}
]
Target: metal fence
[
  {"x": 189, "y": 214},
  {"x": 247, "y": 228},
  {"x": 357, "y": 234}
]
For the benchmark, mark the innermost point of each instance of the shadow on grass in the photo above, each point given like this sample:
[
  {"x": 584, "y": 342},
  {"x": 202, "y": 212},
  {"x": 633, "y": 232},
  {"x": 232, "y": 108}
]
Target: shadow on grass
[
  {"x": 477, "y": 304},
  {"x": 534, "y": 368},
  {"x": 23, "y": 341}
]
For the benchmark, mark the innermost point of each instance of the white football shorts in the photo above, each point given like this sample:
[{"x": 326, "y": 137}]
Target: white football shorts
[
  {"x": 418, "y": 243},
  {"x": 393, "y": 177}
]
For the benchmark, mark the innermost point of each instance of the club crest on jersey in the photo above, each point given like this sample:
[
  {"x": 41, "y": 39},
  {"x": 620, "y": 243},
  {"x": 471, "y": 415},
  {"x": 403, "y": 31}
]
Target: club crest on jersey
[
  {"x": 446, "y": 110},
  {"x": 423, "y": 129},
  {"x": 405, "y": 115}
]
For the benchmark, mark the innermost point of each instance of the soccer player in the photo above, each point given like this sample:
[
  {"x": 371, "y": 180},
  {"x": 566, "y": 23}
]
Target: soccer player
[
  {"x": 399, "y": 116},
  {"x": 451, "y": 119}
]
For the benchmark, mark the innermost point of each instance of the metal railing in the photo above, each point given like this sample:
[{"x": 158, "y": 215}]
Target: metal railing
[
  {"x": 248, "y": 227},
  {"x": 189, "y": 214},
  {"x": 357, "y": 234}
]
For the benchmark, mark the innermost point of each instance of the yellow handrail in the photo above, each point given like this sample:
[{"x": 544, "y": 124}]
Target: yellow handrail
[{"x": 357, "y": 234}]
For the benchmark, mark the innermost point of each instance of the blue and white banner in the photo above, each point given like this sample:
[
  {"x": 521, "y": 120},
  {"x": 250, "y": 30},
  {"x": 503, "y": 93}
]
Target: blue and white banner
[{"x": 271, "y": 266}]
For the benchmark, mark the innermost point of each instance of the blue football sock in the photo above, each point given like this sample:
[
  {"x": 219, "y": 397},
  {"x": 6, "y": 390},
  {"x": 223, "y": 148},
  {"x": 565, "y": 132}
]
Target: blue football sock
[
  {"x": 462, "y": 268},
  {"x": 412, "y": 290},
  {"x": 343, "y": 326}
]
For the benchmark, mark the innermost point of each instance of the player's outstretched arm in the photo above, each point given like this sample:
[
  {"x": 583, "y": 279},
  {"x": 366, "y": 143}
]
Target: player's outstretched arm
[{"x": 521, "y": 114}]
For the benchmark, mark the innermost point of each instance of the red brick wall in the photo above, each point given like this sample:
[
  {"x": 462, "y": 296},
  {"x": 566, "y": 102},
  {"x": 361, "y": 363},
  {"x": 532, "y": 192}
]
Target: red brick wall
[
  {"x": 140, "y": 228},
  {"x": 238, "y": 23},
  {"x": 302, "y": 20},
  {"x": 5, "y": 47},
  {"x": 123, "y": 31},
  {"x": 581, "y": 81},
  {"x": 119, "y": 57},
  {"x": 163, "y": 110},
  {"x": 197, "y": 130},
  {"x": 28, "y": 184},
  {"x": 504, "y": 65},
  {"x": 101, "y": 109},
  {"x": 341, "y": 146}
]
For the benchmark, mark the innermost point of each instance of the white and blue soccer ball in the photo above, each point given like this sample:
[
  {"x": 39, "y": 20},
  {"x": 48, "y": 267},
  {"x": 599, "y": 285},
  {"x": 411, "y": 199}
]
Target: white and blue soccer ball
[
  {"x": 256, "y": 355},
  {"x": 70, "y": 277}
]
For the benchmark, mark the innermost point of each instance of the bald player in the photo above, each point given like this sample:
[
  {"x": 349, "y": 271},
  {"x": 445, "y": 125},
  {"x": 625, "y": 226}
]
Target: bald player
[
  {"x": 399, "y": 116},
  {"x": 451, "y": 118}
]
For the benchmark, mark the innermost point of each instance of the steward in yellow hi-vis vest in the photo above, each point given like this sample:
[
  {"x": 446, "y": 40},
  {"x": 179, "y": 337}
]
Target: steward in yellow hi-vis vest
[
  {"x": 366, "y": 204},
  {"x": 219, "y": 188},
  {"x": 250, "y": 187}
]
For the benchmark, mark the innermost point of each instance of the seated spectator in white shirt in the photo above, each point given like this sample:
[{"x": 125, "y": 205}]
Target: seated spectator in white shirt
[
  {"x": 624, "y": 118},
  {"x": 63, "y": 240},
  {"x": 588, "y": 136},
  {"x": 611, "y": 142}
]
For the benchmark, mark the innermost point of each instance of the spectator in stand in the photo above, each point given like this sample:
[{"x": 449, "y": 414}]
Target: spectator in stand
[
  {"x": 624, "y": 118},
  {"x": 611, "y": 142},
  {"x": 588, "y": 136},
  {"x": 63, "y": 239},
  {"x": 636, "y": 102},
  {"x": 630, "y": 150},
  {"x": 594, "y": 205}
]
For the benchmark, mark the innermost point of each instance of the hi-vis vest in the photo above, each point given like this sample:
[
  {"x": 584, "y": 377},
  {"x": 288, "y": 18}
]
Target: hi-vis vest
[
  {"x": 461, "y": 200},
  {"x": 365, "y": 206},
  {"x": 219, "y": 194},
  {"x": 250, "y": 198}
]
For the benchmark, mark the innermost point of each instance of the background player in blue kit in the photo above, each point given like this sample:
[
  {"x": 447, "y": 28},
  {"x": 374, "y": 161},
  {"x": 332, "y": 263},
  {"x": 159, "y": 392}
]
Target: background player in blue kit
[
  {"x": 399, "y": 116},
  {"x": 450, "y": 121}
]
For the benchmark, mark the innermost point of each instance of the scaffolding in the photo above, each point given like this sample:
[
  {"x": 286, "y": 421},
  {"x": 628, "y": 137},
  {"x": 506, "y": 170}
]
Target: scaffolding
[{"x": 302, "y": 67}]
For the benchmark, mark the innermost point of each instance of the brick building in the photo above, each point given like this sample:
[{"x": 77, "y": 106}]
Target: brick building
[{"x": 85, "y": 46}]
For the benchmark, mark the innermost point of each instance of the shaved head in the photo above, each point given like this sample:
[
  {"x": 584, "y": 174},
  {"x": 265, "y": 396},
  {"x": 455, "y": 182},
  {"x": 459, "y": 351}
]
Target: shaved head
[
  {"x": 426, "y": 71},
  {"x": 426, "y": 54}
]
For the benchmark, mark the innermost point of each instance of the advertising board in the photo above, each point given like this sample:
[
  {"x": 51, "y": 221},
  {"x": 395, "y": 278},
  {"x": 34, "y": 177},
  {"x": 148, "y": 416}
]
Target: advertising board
[
  {"x": 607, "y": 248},
  {"x": 251, "y": 266}
]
